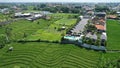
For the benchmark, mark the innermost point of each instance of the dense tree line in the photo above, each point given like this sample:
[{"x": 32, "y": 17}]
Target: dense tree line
[
  {"x": 54, "y": 9},
  {"x": 46, "y": 7},
  {"x": 3, "y": 6},
  {"x": 101, "y": 8}
]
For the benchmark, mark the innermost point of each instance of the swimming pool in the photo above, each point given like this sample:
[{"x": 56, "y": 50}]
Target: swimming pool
[{"x": 72, "y": 38}]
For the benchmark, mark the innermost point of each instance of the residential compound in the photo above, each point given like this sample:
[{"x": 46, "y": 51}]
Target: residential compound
[
  {"x": 96, "y": 29},
  {"x": 90, "y": 32}
]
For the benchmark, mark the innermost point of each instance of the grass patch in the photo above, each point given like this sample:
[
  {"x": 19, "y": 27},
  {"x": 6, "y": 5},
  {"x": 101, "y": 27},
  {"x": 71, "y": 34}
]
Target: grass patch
[{"x": 64, "y": 21}]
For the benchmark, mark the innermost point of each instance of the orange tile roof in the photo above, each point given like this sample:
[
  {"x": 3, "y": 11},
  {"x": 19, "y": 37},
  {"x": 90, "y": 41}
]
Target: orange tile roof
[
  {"x": 101, "y": 20},
  {"x": 112, "y": 16},
  {"x": 100, "y": 27}
]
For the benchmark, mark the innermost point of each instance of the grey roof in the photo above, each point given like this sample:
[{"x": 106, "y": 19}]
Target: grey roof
[
  {"x": 103, "y": 36},
  {"x": 89, "y": 35},
  {"x": 100, "y": 12}
]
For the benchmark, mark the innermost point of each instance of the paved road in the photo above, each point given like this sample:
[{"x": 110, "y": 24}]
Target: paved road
[{"x": 80, "y": 26}]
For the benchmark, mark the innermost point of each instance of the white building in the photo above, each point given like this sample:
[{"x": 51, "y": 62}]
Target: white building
[{"x": 19, "y": 14}]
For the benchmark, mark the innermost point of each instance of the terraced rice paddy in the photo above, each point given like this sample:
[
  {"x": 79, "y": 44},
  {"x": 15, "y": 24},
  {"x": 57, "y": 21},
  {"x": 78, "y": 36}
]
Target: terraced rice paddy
[
  {"x": 51, "y": 55},
  {"x": 41, "y": 29},
  {"x": 51, "y": 33},
  {"x": 44, "y": 55},
  {"x": 23, "y": 26}
]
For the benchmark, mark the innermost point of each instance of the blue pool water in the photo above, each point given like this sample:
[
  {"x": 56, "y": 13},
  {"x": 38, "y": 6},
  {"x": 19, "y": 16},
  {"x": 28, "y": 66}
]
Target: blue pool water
[{"x": 70, "y": 37}]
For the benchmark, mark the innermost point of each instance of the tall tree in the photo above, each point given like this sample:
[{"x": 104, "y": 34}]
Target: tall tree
[{"x": 2, "y": 40}]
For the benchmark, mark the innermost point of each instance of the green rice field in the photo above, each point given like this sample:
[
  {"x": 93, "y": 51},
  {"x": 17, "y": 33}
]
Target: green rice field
[{"x": 113, "y": 32}]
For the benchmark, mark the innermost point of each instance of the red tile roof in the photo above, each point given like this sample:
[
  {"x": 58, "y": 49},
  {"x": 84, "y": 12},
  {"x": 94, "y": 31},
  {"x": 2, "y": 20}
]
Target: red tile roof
[{"x": 100, "y": 27}]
